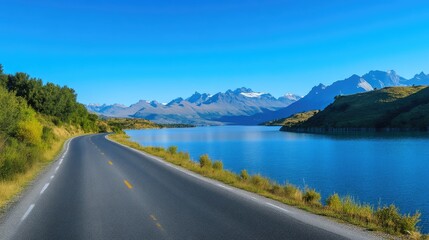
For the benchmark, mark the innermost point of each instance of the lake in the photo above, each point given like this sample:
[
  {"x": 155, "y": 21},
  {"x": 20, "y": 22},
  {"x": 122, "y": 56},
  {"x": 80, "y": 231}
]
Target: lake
[{"x": 374, "y": 168}]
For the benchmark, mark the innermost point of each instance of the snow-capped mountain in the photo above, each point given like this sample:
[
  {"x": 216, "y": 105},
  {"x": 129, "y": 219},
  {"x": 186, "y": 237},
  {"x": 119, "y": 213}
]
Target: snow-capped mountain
[
  {"x": 201, "y": 108},
  {"x": 321, "y": 96}
]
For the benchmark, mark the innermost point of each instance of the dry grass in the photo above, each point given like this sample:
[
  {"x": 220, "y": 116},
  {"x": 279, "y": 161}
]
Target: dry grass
[
  {"x": 345, "y": 209},
  {"x": 11, "y": 188}
]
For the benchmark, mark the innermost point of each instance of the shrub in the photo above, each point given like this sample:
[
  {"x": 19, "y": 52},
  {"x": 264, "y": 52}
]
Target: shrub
[
  {"x": 350, "y": 208},
  {"x": 244, "y": 175},
  {"x": 292, "y": 192},
  {"x": 277, "y": 190},
  {"x": 205, "y": 161},
  {"x": 48, "y": 135},
  {"x": 334, "y": 202},
  {"x": 260, "y": 182},
  {"x": 30, "y": 131},
  {"x": 172, "y": 150},
  {"x": 311, "y": 196},
  {"x": 390, "y": 219},
  {"x": 218, "y": 165}
]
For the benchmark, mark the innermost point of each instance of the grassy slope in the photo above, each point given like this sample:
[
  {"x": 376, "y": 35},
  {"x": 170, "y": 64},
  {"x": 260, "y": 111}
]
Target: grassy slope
[
  {"x": 10, "y": 188},
  {"x": 292, "y": 120},
  {"x": 386, "y": 219},
  {"x": 393, "y": 107}
]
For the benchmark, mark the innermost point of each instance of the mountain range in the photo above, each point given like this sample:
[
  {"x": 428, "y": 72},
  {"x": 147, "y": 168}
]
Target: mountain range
[
  {"x": 321, "y": 95},
  {"x": 244, "y": 106},
  {"x": 200, "y": 108}
]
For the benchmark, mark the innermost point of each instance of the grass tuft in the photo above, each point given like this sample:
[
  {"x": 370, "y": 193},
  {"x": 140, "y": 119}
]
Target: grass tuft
[
  {"x": 244, "y": 175},
  {"x": 205, "y": 161},
  {"x": 218, "y": 165},
  {"x": 311, "y": 197}
]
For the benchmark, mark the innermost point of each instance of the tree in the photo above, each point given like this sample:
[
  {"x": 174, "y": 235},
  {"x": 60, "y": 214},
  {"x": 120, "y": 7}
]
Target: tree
[{"x": 3, "y": 77}]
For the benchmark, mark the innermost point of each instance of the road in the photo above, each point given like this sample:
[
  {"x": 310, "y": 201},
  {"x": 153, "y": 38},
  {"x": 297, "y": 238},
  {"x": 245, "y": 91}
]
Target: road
[{"x": 98, "y": 189}]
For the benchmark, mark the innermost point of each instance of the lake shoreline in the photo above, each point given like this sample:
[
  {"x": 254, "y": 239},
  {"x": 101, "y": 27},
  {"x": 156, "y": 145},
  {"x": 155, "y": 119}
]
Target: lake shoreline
[{"x": 352, "y": 130}]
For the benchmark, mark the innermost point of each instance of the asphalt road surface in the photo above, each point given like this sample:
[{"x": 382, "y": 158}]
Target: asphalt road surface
[{"x": 98, "y": 189}]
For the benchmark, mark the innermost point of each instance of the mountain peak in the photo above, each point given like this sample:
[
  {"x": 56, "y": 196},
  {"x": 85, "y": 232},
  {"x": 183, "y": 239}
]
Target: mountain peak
[
  {"x": 291, "y": 96},
  {"x": 420, "y": 75},
  {"x": 242, "y": 90},
  {"x": 177, "y": 100},
  {"x": 198, "y": 97},
  {"x": 380, "y": 79}
]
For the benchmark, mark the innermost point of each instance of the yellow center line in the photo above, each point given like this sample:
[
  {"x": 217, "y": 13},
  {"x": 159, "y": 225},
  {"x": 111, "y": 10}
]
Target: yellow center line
[
  {"x": 128, "y": 184},
  {"x": 157, "y": 223},
  {"x": 110, "y": 163}
]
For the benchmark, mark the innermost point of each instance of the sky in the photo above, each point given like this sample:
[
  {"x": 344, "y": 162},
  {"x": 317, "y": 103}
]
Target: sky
[{"x": 121, "y": 51}]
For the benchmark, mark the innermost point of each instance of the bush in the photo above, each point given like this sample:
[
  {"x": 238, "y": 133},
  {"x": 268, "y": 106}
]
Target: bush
[
  {"x": 292, "y": 192},
  {"x": 260, "y": 182},
  {"x": 334, "y": 202},
  {"x": 30, "y": 131},
  {"x": 355, "y": 210},
  {"x": 392, "y": 221},
  {"x": 48, "y": 135},
  {"x": 311, "y": 196},
  {"x": 244, "y": 175},
  {"x": 172, "y": 150},
  {"x": 218, "y": 165},
  {"x": 277, "y": 190},
  {"x": 205, "y": 161},
  {"x": 16, "y": 157}
]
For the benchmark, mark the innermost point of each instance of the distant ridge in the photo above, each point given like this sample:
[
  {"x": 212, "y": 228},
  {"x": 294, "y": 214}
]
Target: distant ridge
[{"x": 200, "y": 108}]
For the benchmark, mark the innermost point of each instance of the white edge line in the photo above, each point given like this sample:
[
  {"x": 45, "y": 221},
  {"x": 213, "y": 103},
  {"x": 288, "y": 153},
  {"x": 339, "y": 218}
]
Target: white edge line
[
  {"x": 224, "y": 187},
  {"x": 27, "y": 212},
  {"x": 44, "y": 188},
  {"x": 30, "y": 208},
  {"x": 275, "y": 206}
]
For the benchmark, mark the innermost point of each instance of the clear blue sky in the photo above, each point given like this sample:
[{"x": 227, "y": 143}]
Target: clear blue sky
[{"x": 122, "y": 51}]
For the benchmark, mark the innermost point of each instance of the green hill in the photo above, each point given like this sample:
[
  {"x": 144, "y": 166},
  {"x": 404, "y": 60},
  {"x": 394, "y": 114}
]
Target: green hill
[
  {"x": 398, "y": 108},
  {"x": 138, "y": 123},
  {"x": 292, "y": 120}
]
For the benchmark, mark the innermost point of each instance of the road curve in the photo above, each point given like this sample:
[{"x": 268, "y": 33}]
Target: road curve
[{"x": 98, "y": 189}]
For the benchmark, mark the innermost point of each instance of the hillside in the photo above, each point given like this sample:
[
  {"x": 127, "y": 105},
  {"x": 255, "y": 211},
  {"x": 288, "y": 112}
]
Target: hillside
[
  {"x": 292, "y": 120},
  {"x": 402, "y": 108}
]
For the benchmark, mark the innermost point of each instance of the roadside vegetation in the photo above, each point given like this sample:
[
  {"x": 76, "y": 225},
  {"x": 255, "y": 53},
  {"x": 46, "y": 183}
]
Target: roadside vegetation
[
  {"x": 386, "y": 219},
  {"x": 35, "y": 120},
  {"x": 391, "y": 108}
]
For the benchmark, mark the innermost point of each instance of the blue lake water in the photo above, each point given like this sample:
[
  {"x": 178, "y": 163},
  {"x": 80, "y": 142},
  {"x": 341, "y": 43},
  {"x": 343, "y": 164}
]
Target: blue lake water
[{"x": 374, "y": 168}]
